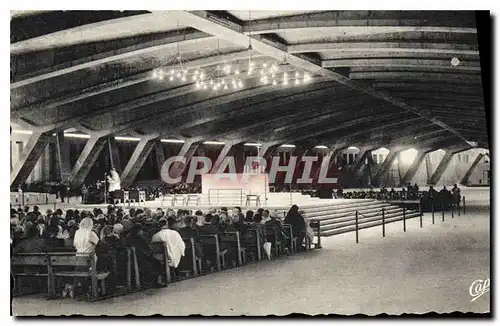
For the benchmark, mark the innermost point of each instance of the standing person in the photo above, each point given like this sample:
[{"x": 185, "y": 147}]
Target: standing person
[
  {"x": 62, "y": 191},
  {"x": 455, "y": 191},
  {"x": 84, "y": 190}
]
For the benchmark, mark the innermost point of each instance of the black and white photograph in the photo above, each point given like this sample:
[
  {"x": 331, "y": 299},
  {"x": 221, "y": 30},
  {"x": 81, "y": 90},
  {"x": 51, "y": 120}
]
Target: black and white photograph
[{"x": 250, "y": 162}]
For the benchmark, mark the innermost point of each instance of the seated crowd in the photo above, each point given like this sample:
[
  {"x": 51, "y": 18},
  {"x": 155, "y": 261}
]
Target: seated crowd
[
  {"x": 107, "y": 233},
  {"x": 444, "y": 197}
]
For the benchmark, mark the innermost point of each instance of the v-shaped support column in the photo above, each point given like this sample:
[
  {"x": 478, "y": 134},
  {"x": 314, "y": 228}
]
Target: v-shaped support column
[
  {"x": 412, "y": 170},
  {"x": 87, "y": 158},
  {"x": 176, "y": 168},
  {"x": 354, "y": 175},
  {"x": 114, "y": 155},
  {"x": 328, "y": 160},
  {"x": 221, "y": 157},
  {"x": 160, "y": 156},
  {"x": 136, "y": 161},
  {"x": 385, "y": 167},
  {"x": 29, "y": 157},
  {"x": 62, "y": 158},
  {"x": 465, "y": 179}
]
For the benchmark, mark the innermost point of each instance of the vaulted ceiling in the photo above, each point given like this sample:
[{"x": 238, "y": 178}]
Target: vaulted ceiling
[{"x": 378, "y": 77}]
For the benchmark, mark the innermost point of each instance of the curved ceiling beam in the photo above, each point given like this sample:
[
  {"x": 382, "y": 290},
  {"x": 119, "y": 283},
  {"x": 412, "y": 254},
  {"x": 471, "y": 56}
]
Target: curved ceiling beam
[
  {"x": 339, "y": 106},
  {"x": 229, "y": 108},
  {"x": 199, "y": 20},
  {"x": 409, "y": 47},
  {"x": 418, "y": 63},
  {"x": 105, "y": 30},
  {"x": 462, "y": 21},
  {"x": 365, "y": 125},
  {"x": 415, "y": 75},
  {"x": 374, "y": 53},
  {"x": 200, "y": 105},
  {"x": 169, "y": 43},
  {"x": 129, "y": 81}
]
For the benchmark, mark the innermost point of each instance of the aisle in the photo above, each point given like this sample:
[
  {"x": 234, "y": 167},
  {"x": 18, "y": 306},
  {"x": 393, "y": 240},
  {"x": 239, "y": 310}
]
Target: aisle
[{"x": 429, "y": 269}]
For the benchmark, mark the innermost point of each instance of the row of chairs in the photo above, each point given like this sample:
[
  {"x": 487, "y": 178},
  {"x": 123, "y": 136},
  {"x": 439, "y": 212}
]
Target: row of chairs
[{"x": 59, "y": 267}]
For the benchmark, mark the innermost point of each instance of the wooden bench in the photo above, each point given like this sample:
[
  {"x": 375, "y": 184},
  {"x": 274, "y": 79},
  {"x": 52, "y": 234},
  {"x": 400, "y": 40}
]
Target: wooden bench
[
  {"x": 211, "y": 246},
  {"x": 30, "y": 265},
  {"x": 87, "y": 269},
  {"x": 160, "y": 253},
  {"x": 190, "y": 262},
  {"x": 233, "y": 240},
  {"x": 253, "y": 243},
  {"x": 287, "y": 229},
  {"x": 273, "y": 238}
]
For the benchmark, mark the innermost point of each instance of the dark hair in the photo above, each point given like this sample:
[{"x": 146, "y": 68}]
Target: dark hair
[
  {"x": 257, "y": 218},
  {"x": 188, "y": 220},
  {"x": 249, "y": 216},
  {"x": 171, "y": 223},
  {"x": 199, "y": 213},
  {"x": 208, "y": 218},
  {"x": 224, "y": 209}
]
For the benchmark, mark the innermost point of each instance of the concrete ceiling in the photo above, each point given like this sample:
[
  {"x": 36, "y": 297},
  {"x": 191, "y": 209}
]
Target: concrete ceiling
[{"x": 379, "y": 77}]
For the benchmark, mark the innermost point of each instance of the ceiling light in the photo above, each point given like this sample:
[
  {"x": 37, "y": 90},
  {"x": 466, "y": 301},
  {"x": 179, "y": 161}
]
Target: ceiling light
[
  {"x": 321, "y": 146},
  {"x": 77, "y": 136},
  {"x": 24, "y": 132},
  {"x": 213, "y": 143},
  {"x": 176, "y": 141},
  {"x": 127, "y": 138},
  {"x": 252, "y": 144},
  {"x": 287, "y": 146}
]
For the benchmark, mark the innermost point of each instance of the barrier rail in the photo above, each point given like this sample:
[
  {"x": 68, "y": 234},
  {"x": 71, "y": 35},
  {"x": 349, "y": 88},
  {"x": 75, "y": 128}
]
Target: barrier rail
[
  {"x": 382, "y": 213},
  {"x": 218, "y": 193}
]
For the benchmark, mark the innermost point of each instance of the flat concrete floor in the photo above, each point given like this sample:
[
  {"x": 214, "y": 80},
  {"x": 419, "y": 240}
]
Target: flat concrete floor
[{"x": 425, "y": 269}]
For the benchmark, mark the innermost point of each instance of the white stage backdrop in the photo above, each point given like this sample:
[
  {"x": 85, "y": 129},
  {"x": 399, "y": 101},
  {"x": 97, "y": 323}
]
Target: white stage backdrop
[{"x": 252, "y": 184}]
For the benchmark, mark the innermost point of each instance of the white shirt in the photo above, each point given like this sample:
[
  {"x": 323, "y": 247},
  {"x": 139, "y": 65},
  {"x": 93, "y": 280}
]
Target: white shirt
[
  {"x": 85, "y": 241},
  {"x": 175, "y": 245}
]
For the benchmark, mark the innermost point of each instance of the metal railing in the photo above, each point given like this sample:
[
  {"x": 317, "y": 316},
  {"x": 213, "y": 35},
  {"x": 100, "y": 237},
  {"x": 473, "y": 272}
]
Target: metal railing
[
  {"x": 212, "y": 198},
  {"x": 382, "y": 212}
]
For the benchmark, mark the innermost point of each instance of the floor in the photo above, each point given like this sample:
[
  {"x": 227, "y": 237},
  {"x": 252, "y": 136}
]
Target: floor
[{"x": 425, "y": 269}]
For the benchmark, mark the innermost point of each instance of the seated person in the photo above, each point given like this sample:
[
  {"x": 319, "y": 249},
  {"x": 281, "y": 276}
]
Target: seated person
[
  {"x": 296, "y": 220},
  {"x": 30, "y": 242},
  {"x": 261, "y": 229},
  {"x": 85, "y": 239},
  {"x": 172, "y": 240},
  {"x": 208, "y": 227},
  {"x": 188, "y": 232},
  {"x": 149, "y": 267}
]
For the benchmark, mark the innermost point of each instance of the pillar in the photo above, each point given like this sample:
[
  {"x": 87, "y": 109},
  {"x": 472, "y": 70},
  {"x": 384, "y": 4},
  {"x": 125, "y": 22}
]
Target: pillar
[
  {"x": 28, "y": 158},
  {"x": 114, "y": 156},
  {"x": 134, "y": 164},
  {"x": 160, "y": 156},
  {"x": 445, "y": 161},
  {"x": 87, "y": 158},
  {"x": 328, "y": 160},
  {"x": 221, "y": 157},
  {"x": 412, "y": 170},
  {"x": 187, "y": 151},
  {"x": 354, "y": 175},
  {"x": 385, "y": 167},
  {"x": 428, "y": 166},
  {"x": 465, "y": 179},
  {"x": 63, "y": 167}
]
